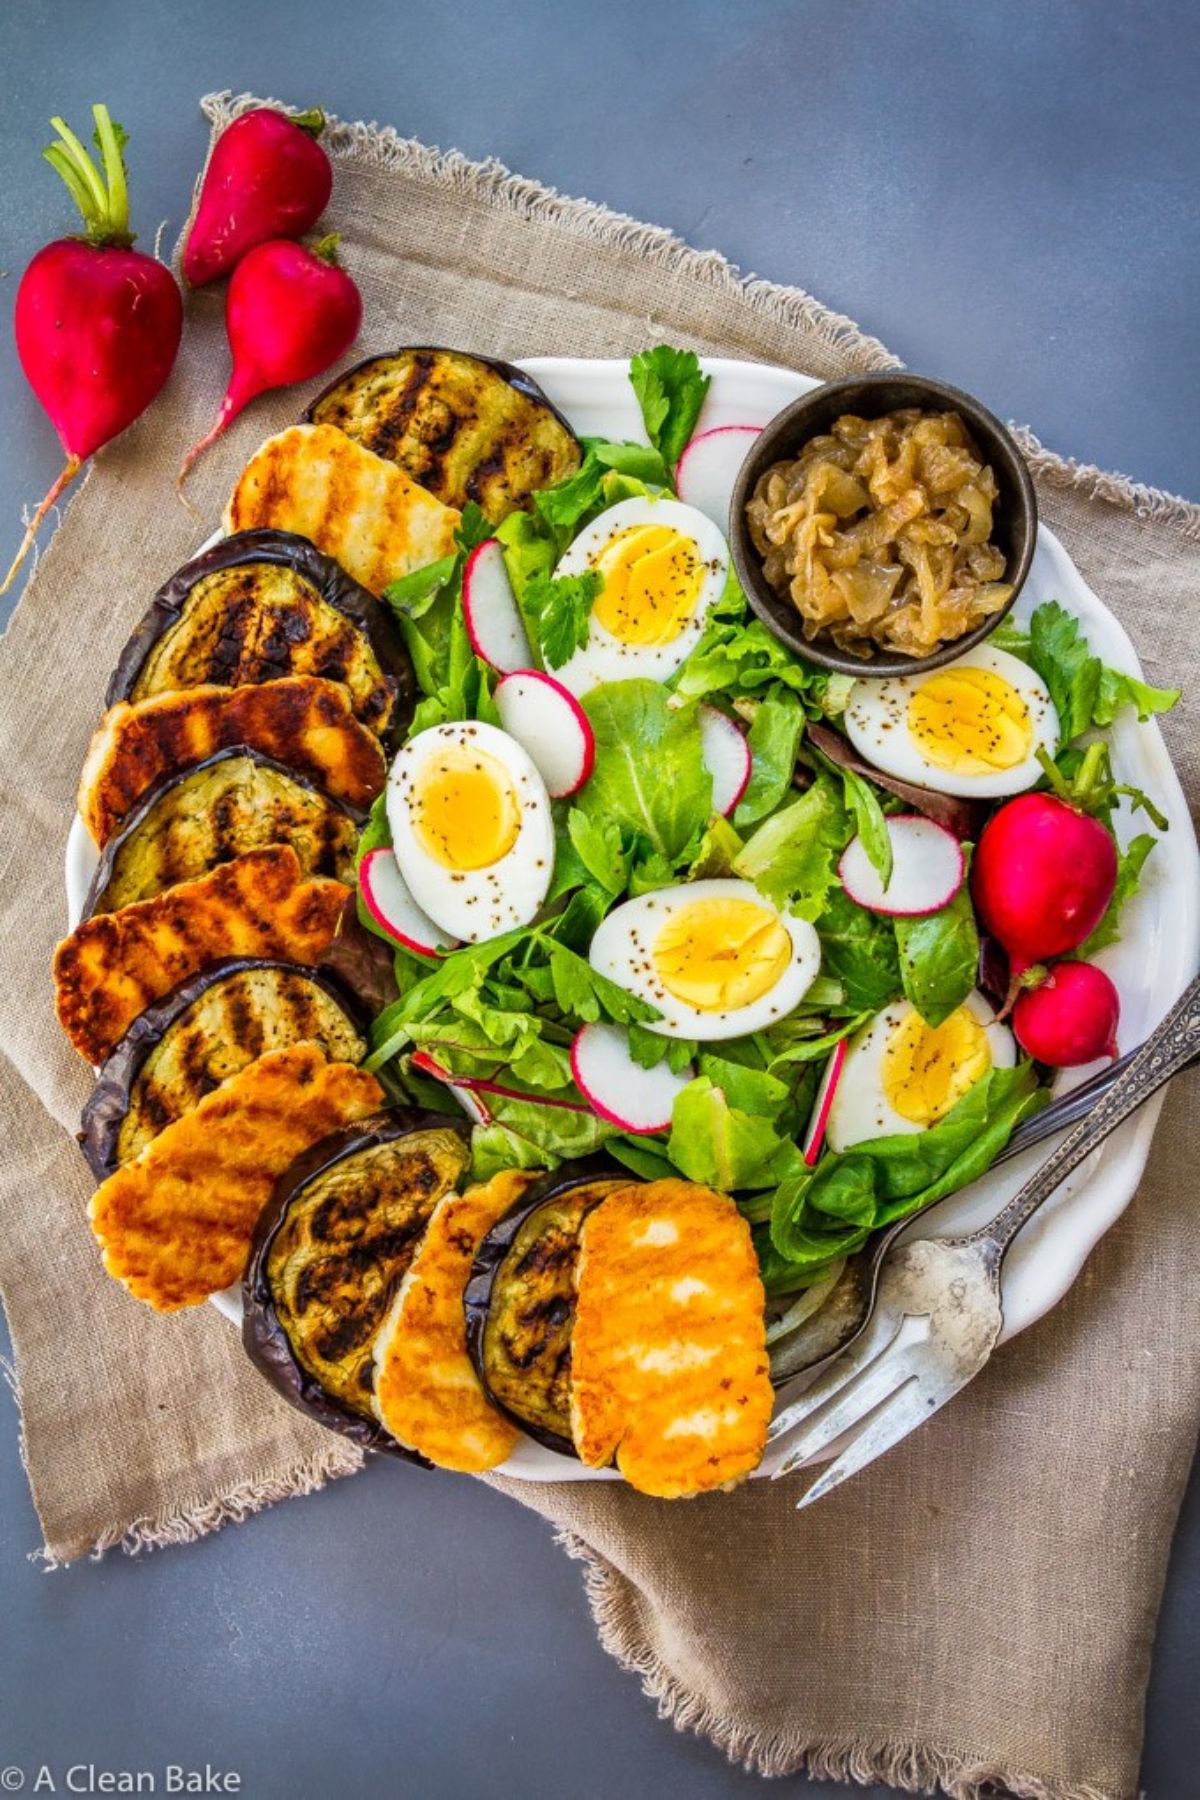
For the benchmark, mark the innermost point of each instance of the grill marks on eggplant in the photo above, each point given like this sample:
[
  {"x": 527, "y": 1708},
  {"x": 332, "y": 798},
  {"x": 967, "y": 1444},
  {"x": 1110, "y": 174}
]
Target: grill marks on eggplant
[
  {"x": 465, "y": 427},
  {"x": 347, "y": 1234},
  {"x": 210, "y": 1028},
  {"x": 235, "y": 802},
  {"x": 258, "y": 622},
  {"x": 526, "y": 1290}
]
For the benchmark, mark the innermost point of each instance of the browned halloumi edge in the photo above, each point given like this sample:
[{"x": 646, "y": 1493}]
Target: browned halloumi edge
[
  {"x": 114, "y": 965},
  {"x": 669, "y": 1370},
  {"x": 175, "y": 1225},
  {"x": 301, "y": 721},
  {"x": 427, "y": 1392},
  {"x": 363, "y": 511}
]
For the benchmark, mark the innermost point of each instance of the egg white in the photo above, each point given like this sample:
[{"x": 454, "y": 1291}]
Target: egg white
[
  {"x": 623, "y": 944},
  {"x": 473, "y": 904},
  {"x": 604, "y": 657},
  {"x": 876, "y": 724},
  {"x": 861, "y": 1109}
]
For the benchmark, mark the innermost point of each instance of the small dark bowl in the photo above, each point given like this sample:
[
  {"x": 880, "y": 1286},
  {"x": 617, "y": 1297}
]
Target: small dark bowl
[{"x": 1014, "y": 523}]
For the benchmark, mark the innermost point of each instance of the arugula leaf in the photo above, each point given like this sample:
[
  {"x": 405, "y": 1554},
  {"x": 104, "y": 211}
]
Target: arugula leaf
[
  {"x": 581, "y": 991},
  {"x": 1086, "y": 692},
  {"x": 858, "y": 948},
  {"x": 884, "y": 1179},
  {"x": 670, "y": 387},
  {"x": 862, "y": 803},
  {"x": 601, "y": 849},
  {"x": 1130, "y": 862},
  {"x": 648, "y": 778},
  {"x": 773, "y": 738},
  {"x": 559, "y": 607},
  {"x": 792, "y": 857},
  {"x": 939, "y": 957}
]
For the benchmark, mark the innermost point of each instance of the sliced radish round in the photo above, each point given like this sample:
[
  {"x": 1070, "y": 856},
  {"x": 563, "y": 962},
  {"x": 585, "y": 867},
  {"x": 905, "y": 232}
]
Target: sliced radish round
[
  {"x": 927, "y": 869},
  {"x": 726, "y": 756},
  {"x": 550, "y": 726},
  {"x": 708, "y": 468},
  {"x": 619, "y": 1089},
  {"x": 814, "y": 1137},
  {"x": 471, "y": 1104},
  {"x": 387, "y": 899},
  {"x": 490, "y": 610}
]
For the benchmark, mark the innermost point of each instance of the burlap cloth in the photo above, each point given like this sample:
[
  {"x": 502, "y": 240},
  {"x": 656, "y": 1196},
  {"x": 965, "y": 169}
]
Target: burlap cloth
[{"x": 978, "y": 1608}]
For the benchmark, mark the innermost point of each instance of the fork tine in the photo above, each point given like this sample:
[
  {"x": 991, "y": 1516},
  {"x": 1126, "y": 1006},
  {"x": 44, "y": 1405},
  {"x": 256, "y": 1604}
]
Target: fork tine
[
  {"x": 901, "y": 1413},
  {"x": 858, "y": 1398},
  {"x": 880, "y": 1338}
]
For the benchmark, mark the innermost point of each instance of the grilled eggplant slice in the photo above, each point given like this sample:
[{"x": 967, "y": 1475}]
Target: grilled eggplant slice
[
  {"x": 465, "y": 427},
  {"x": 259, "y": 606},
  {"x": 176, "y": 1225},
  {"x": 200, "y": 1034},
  {"x": 302, "y": 721},
  {"x": 520, "y": 1299},
  {"x": 234, "y": 801},
  {"x": 330, "y": 1251},
  {"x": 357, "y": 507}
]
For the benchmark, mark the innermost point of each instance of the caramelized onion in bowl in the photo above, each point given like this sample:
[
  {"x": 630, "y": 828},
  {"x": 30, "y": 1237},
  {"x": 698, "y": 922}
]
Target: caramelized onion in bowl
[{"x": 880, "y": 531}]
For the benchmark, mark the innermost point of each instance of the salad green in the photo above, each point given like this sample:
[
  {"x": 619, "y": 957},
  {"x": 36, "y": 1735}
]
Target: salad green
[{"x": 504, "y": 1011}]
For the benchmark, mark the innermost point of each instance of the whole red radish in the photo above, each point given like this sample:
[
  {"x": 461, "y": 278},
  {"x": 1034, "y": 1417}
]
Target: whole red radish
[
  {"x": 97, "y": 322},
  {"x": 1042, "y": 876},
  {"x": 1070, "y": 1018},
  {"x": 266, "y": 178},
  {"x": 290, "y": 312}
]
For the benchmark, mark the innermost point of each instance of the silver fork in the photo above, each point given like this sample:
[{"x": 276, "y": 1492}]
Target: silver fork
[{"x": 938, "y": 1308}]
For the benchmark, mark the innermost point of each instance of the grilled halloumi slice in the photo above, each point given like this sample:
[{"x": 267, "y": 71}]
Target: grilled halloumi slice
[
  {"x": 175, "y": 1226},
  {"x": 302, "y": 721},
  {"x": 363, "y": 511},
  {"x": 669, "y": 1367},
  {"x": 114, "y": 965},
  {"x": 427, "y": 1393}
]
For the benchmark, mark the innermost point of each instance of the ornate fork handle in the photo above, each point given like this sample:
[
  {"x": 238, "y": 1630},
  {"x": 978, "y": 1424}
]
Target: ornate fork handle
[{"x": 1165, "y": 1052}]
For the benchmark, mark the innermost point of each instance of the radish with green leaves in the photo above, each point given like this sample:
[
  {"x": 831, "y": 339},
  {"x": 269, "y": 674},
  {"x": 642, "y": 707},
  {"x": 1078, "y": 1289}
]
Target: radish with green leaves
[{"x": 98, "y": 323}]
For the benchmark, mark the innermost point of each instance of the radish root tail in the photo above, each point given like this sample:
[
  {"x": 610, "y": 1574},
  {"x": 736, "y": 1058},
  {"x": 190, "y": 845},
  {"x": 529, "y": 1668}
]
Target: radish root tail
[{"x": 70, "y": 470}]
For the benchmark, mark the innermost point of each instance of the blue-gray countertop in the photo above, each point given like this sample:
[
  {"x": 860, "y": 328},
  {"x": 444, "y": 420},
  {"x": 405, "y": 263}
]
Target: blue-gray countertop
[{"x": 1005, "y": 193}]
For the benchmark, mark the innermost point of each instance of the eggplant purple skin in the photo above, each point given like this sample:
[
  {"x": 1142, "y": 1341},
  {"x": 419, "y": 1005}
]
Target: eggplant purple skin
[
  {"x": 106, "y": 1105},
  {"x": 490, "y": 1256},
  {"x": 133, "y": 819},
  {"x": 263, "y": 1337},
  {"x": 509, "y": 372},
  {"x": 286, "y": 549}
]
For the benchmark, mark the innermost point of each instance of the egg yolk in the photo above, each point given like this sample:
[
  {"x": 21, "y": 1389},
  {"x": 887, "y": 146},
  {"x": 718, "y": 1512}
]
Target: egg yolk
[
  {"x": 466, "y": 814},
  {"x": 652, "y": 580},
  {"x": 716, "y": 955},
  {"x": 928, "y": 1068},
  {"x": 971, "y": 721}
]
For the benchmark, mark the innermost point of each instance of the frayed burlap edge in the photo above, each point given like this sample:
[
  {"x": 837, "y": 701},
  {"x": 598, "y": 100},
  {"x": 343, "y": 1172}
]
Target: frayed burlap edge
[
  {"x": 962, "y": 1774},
  {"x": 533, "y": 200}
]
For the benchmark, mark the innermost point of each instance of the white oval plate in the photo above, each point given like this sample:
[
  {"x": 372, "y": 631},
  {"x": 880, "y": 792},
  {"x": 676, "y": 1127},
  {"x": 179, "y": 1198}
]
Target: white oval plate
[{"x": 1154, "y": 961}]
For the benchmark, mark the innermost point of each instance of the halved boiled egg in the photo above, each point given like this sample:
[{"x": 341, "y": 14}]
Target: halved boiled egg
[
  {"x": 973, "y": 727},
  {"x": 664, "y": 567},
  {"x": 902, "y": 1075},
  {"x": 472, "y": 829},
  {"x": 714, "y": 957}
]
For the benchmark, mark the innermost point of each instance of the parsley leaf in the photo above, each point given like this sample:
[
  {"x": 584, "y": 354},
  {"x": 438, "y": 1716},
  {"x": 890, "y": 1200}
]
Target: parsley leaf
[
  {"x": 670, "y": 387},
  {"x": 559, "y": 607}
]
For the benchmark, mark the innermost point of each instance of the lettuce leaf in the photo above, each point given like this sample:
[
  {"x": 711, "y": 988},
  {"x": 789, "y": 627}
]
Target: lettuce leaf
[
  {"x": 724, "y": 1145},
  {"x": 939, "y": 957},
  {"x": 792, "y": 857},
  {"x": 883, "y": 1179},
  {"x": 858, "y": 949},
  {"x": 648, "y": 778},
  {"x": 774, "y": 738}
]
